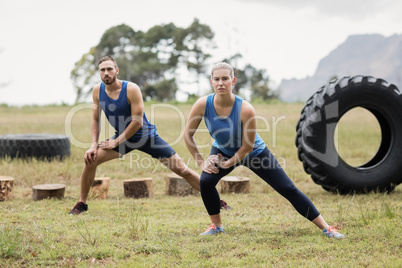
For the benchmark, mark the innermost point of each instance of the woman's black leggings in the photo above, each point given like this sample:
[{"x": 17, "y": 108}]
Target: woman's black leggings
[{"x": 267, "y": 168}]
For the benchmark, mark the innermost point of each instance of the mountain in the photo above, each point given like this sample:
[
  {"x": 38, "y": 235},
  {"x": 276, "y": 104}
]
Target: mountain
[{"x": 370, "y": 54}]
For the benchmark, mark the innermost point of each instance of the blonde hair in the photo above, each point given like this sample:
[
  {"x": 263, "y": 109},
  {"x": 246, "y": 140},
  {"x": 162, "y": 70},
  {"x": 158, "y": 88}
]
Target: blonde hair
[{"x": 222, "y": 65}]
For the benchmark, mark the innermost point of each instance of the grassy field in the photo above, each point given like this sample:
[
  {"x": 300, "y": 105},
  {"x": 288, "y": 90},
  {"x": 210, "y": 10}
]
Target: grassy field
[{"x": 263, "y": 229}]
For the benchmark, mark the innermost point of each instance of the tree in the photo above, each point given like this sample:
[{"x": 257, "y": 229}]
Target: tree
[
  {"x": 161, "y": 91},
  {"x": 84, "y": 75},
  {"x": 113, "y": 42},
  {"x": 198, "y": 36},
  {"x": 150, "y": 59},
  {"x": 259, "y": 84}
]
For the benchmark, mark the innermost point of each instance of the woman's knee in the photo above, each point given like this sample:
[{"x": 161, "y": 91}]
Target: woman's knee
[
  {"x": 203, "y": 182},
  {"x": 207, "y": 181}
]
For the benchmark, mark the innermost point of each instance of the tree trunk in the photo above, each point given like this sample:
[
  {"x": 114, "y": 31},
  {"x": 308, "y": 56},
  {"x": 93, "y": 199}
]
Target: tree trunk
[
  {"x": 100, "y": 188},
  {"x": 139, "y": 188},
  {"x": 176, "y": 185},
  {"x": 232, "y": 184},
  {"x": 6, "y": 187},
  {"x": 44, "y": 191}
]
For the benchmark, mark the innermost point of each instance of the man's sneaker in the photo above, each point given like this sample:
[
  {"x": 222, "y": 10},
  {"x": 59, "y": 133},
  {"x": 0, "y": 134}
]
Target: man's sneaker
[
  {"x": 224, "y": 205},
  {"x": 79, "y": 208},
  {"x": 333, "y": 231},
  {"x": 213, "y": 230}
]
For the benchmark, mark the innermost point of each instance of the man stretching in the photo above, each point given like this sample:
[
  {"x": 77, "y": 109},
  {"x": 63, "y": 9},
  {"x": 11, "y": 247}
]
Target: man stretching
[{"x": 123, "y": 106}]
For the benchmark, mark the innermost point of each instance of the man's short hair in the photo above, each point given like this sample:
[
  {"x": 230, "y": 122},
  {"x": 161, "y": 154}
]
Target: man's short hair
[{"x": 106, "y": 58}]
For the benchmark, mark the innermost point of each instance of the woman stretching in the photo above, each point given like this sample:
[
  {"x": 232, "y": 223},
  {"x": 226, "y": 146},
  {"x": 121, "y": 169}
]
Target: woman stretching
[{"x": 231, "y": 123}]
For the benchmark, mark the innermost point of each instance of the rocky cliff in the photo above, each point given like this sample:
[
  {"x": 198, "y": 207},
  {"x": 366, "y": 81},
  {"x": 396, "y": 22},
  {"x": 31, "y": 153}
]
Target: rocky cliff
[{"x": 373, "y": 55}]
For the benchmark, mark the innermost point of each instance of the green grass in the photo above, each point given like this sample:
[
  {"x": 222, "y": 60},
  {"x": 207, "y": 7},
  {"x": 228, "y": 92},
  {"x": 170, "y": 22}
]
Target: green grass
[{"x": 263, "y": 230}]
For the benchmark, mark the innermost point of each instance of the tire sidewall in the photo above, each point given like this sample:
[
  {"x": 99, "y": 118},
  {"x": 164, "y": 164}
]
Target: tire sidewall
[
  {"x": 384, "y": 174},
  {"x": 39, "y": 146}
]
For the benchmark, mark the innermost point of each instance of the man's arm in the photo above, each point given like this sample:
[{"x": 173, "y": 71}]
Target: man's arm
[
  {"x": 134, "y": 97},
  {"x": 95, "y": 125},
  {"x": 91, "y": 153}
]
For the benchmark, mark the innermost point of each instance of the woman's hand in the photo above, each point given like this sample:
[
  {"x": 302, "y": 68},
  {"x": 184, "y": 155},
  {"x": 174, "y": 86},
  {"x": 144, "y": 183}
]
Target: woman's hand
[
  {"x": 209, "y": 166},
  {"x": 222, "y": 161}
]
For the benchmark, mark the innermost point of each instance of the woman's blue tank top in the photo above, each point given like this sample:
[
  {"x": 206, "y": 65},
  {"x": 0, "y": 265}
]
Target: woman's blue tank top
[
  {"x": 118, "y": 113},
  {"x": 227, "y": 132}
]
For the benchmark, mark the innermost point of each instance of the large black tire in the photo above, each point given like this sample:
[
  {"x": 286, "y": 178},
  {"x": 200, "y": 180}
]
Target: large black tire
[
  {"x": 316, "y": 128},
  {"x": 39, "y": 146}
]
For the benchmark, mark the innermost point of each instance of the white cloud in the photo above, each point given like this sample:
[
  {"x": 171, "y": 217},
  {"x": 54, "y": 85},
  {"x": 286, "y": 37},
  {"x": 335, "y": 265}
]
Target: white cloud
[{"x": 350, "y": 9}]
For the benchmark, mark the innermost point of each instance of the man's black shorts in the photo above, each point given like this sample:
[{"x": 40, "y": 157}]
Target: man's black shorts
[{"x": 155, "y": 146}]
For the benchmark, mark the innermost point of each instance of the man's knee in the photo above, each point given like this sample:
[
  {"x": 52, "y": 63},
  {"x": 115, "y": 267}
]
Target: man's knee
[
  {"x": 101, "y": 157},
  {"x": 185, "y": 171},
  {"x": 178, "y": 166},
  {"x": 91, "y": 164}
]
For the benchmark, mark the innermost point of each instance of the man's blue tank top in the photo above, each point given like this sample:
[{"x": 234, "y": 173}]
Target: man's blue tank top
[
  {"x": 118, "y": 113},
  {"x": 227, "y": 132}
]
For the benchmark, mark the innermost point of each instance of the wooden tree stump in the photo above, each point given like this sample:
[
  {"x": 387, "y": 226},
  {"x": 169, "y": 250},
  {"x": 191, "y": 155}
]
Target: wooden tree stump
[
  {"x": 232, "y": 184},
  {"x": 139, "y": 188},
  {"x": 6, "y": 187},
  {"x": 178, "y": 186},
  {"x": 100, "y": 188},
  {"x": 44, "y": 191}
]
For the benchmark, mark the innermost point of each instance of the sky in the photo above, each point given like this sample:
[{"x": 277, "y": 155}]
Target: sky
[{"x": 41, "y": 40}]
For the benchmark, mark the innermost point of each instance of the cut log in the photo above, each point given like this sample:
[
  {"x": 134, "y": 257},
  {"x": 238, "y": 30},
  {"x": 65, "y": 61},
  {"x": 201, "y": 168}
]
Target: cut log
[
  {"x": 100, "y": 188},
  {"x": 139, "y": 188},
  {"x": 178, "y": 186},
  {"x": 232, "y": 184},
  {"x": 6, "y": 187},
  {"x": 43, "y": 191}
]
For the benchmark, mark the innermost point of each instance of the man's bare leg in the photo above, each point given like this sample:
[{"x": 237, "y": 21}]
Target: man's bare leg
[
  {"x": 176, "y": 164},
  {"x": 89, "y": 171}
]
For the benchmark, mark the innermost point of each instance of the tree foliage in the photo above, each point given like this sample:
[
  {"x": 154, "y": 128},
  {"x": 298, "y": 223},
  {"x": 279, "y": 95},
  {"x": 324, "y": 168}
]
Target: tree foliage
[
  {"x": 149, "y": 59},
  {"x": 153, "y": 58},
  {"x": 197, "y": 38}
]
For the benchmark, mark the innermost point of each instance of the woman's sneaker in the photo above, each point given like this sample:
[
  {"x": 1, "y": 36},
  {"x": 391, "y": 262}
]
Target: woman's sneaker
[
  {"x": 333, "y": 231},
  {"x": 213, "y": 230},
  {"x": 79, "y": 208}
]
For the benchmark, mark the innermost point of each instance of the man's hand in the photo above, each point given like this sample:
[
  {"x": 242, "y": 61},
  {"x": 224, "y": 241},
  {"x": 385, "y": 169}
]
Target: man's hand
[
  {"x": 108, "y": 144},
  {"x": 90, "y": 155}
]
